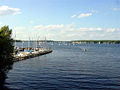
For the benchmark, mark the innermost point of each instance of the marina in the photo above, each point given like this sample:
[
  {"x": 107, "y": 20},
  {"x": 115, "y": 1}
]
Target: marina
[
  {"x": 32, "y": 49},
  {"x": 30, "y": 54}
]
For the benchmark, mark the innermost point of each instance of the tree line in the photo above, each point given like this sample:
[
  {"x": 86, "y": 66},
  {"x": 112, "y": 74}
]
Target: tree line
[{"x": 98, "y": 41}]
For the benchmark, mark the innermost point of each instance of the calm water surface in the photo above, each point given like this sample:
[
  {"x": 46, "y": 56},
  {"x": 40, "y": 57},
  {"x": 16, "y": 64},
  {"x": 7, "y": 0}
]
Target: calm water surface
[{"x": 68, "y": 67}]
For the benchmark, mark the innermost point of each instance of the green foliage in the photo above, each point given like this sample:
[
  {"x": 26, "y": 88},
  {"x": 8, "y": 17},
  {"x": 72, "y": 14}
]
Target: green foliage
[{"x": 6, "y": 50}]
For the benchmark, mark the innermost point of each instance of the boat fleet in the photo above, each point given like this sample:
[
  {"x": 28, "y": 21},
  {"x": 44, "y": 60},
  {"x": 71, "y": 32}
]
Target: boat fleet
[{"x": 21, "y": 53}]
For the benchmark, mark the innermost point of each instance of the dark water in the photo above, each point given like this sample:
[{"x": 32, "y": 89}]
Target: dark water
[{"x": 68, "y": 67}]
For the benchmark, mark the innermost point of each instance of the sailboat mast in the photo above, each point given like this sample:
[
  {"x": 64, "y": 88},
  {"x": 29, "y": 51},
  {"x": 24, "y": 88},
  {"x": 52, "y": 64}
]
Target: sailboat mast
[
  {"x": 29, "y": 44},
  {"x": 22, "y": 44},
  {"x": 36, "y": 41},
  {"x": 45, "y": 43},
  {"x": 34, "y": 44},
  {"x": 39, "y": 41}
]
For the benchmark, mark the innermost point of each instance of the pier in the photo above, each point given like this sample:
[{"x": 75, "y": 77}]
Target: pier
[
  {"x": 31, "y": 51},
  {"x": 28, "y": 55}
]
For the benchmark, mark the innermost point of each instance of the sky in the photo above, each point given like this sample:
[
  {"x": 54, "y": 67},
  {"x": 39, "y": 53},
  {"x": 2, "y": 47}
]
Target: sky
[{"x": 62, "y": 20}]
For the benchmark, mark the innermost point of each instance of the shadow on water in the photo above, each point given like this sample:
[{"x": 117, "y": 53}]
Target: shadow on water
[{"x": 5, "y": 66}]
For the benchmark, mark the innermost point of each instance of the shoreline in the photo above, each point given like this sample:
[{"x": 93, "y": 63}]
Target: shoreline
[{"x": 80, "y": 41}]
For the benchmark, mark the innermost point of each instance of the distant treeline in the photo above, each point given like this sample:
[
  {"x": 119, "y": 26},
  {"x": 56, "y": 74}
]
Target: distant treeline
[
  {"x": 79, "y": 41},
  {"x": 98, "y": 41}
]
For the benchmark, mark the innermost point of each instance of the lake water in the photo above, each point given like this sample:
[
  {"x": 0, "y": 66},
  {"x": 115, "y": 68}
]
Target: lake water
[{"x": 69, "y": 67}]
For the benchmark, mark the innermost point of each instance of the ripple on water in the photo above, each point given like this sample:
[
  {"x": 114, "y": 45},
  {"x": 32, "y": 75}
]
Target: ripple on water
[{"x": 69, "y": 68}]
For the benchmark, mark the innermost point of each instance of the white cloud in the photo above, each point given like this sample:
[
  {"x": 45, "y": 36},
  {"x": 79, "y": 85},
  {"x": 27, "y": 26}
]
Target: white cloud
[
  {"x": 94, "y": 11},
  {"x": 51, "y": 35},
  {"x": 116, "y": 9},
  {"x": 98, "y": 29},
  {"x": 89, "y": 29},
  {"x": 19, "y": 28},
  {"x": 70, "y": 28},
  {"x": 54, "y": 26},
  {"x": 118, "y": 29},
  {"x": 96, "y": 35},
  {"x": 49, "y": 27},
  {"x": 0, "y": 22},
  {"x": 84, "y": 15},
  {"x": 62, "y": 32},
  {"x": 5, "y": 10},
  {"x": 110, "y": 30},
  {"x": 66, "y": 32},
  {"x": 102, "y": 35},
  {"x": 31, "y": 22},
  {"x": 72, "y": 35},
  {"x": 22, "y": 32},
  {"x": 73, "y": 16},
  {"x": 39, "y": 27}
]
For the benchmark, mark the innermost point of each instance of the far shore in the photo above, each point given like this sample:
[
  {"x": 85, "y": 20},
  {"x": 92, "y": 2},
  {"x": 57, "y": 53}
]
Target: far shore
[{"x": 78, "y": 41}]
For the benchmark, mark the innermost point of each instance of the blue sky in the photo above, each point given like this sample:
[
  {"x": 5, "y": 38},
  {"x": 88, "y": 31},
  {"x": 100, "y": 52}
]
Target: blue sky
[{"x": 62, "y": 19}]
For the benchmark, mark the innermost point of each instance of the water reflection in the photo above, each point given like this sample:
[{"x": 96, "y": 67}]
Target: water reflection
[{"x": 5, "y": 66}]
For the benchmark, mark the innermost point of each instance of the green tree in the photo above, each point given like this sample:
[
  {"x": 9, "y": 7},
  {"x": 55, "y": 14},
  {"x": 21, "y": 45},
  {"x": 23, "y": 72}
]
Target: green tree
[{"x": 6, "y": 50}]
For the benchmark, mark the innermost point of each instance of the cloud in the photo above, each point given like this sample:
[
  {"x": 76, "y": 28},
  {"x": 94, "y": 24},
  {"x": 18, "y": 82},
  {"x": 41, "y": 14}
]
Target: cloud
[
  {"x": 19, "y": 28},
  {"x": 110, "y": 30},
  {"x": 71, "y": 28},
  {"x": 116, "y": 9},
  {"x": 118, "y": 29},
  {"x": 84, "y": 15},
  {"x": 22, "y": 33},
  {"x": 72, "y": 35},
  {"x": 49, "y": 27},
  {"x": 31, "y": 22},
  {"x": 73, "y": 16},
  {"x": 94, "y": 11},
  {"x": 90, "y": 29},
  {"x": 66, "y": 32},
  {"x": 0, "y": 22},
  {"x": 98, "y": 29},
  {"x": 51, "y": 35},
  {"x": 96, "y": 35},
  {"x": 5, "y": 10}
]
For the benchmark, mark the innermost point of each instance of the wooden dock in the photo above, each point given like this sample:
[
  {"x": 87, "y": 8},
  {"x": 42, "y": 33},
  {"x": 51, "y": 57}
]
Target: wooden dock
[{"x": 19, "y": 58}]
